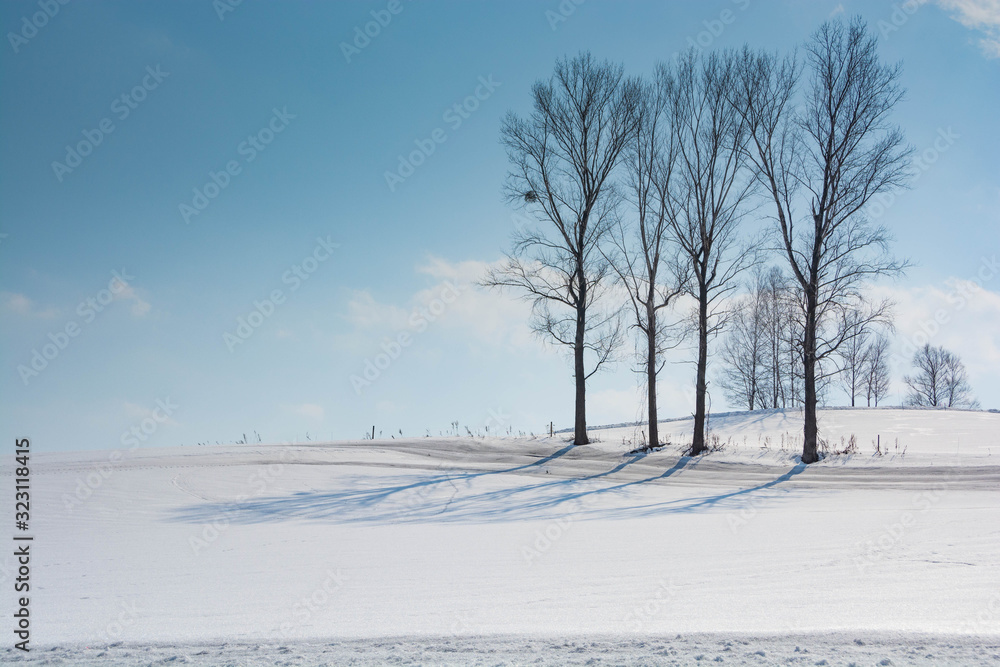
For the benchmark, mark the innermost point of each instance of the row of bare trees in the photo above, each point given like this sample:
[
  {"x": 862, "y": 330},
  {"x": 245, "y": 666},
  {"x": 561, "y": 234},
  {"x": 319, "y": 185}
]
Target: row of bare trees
[
  {"x": 939, "y": 380},
  {"x": 649, "y": 187},
  {"x": 761, "y": 363},
  {"x": 761, "y": 368}
]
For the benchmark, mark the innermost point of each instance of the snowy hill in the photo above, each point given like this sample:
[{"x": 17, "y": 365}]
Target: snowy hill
[
  {"x": 941, "y": 436},
  {"x": 460, "y": 540}
]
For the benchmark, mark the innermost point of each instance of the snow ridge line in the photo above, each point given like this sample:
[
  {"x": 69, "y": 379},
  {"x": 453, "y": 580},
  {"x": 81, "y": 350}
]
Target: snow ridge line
[{"x": 773, "y": 411}]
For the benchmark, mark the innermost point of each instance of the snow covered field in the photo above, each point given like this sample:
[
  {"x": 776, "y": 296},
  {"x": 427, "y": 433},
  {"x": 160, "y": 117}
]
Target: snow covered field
[{"x": 517, "y": 551}]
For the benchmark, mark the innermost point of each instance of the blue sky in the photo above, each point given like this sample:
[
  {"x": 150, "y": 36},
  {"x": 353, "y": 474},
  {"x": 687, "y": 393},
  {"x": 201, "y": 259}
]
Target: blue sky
[{"x": 279, "y": 137}]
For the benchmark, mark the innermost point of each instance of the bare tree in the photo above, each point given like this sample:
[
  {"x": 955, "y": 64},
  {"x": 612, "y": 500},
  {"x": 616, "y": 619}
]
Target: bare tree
[
  {"x": 643, "y": 255},
  {"x": 877, "y": 374},
  {"x": 708, "y": 202},
  {"x": 562, "y": 159},
  {"x": 744, "y": 374},
  {"x": 777, "y": 322},
  {"x": 927, "y": 384},
  {"x": 761, "y": 355},
  {"x": 821, "y": 159},
  {"x": 940, "y": 380},
  {"x": 957, "y": 392},
  {"x": 853, "y": 358},
  {"x": 782, "y": 387}
]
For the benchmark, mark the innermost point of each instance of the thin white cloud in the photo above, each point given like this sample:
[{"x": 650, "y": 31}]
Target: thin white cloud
[
  {"x": 140, "y": 307},
  {"x": 310, "y": 410},
  {"x": 494, "y": 318},
  {"x": 365, "y": 313},
  {"x": 980, "y": 15},
  {"x": 961, "y": 315},
  {"x": 20, "y": 304},
  {"x": 136, "y": 413},
  {"x": 17, "y": 303}
]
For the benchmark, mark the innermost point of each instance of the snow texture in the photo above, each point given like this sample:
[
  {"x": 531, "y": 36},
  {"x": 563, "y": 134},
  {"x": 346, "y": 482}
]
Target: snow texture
[{"x": 526, "y": 551}]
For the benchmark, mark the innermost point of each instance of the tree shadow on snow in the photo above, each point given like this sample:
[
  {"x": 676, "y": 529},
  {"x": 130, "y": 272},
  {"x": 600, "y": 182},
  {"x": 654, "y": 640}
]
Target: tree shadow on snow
[
  {"x": 688, "y": 505},
  {"x": 452, "y": 497}
]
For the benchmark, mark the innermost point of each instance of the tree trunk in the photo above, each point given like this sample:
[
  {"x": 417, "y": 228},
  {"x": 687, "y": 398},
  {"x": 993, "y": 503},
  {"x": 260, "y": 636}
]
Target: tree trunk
[
  {"x": 698, "y": 439},
  {"x": 580, "y": 425},
  {"x": 809, "y": 453},
  {"x": 654, "y": 435}
]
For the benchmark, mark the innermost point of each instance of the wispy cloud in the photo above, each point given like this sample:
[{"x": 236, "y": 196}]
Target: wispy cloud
[
  {"x": 959, "y": 315},
  {"x": 980, "y": 15},
  {"x": 492, "y": 317},
  {"x": 20, "y": 304},
  {"x": 136, "y": 412},
  {"x": 140, "y": 306},
  {"x": 310, "y": 410}
]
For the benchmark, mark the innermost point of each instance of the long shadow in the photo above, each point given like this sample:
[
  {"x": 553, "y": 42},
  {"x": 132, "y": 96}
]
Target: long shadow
[
  {"x": 368, "y": 506},
  {"x": 358, "y": 498},
  {"x": 688, "y": 505},
  {"x": 375, "y": 495},
  {"x": 450, "y": 504},
  {"x": 494, "y": 506},
  {"x": 749, "y": 419},
  {"x": 505, "y": 494},
  {"x": 583, "y": 496}
]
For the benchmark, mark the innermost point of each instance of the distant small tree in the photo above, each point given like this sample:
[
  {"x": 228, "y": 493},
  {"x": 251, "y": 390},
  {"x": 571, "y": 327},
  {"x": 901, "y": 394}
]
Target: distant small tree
[
  {"x": 762, "y": 353},
  {"x": 779, "y": 365},
  {"x": 876, "y": 370},
  {"x": 957, "y": 392},
  {"x": 744, "y": 353},
  {"x": 853, "y": 358},
  {"x": 940, "y": 380}
]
